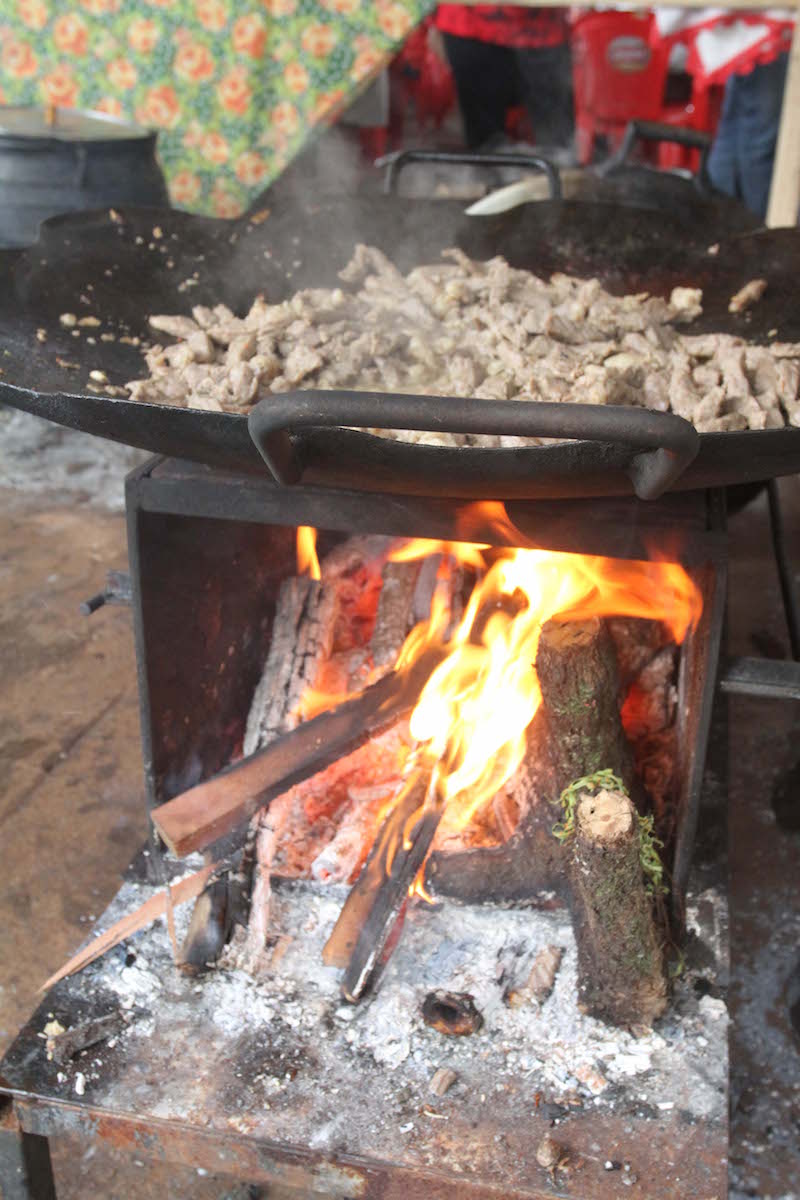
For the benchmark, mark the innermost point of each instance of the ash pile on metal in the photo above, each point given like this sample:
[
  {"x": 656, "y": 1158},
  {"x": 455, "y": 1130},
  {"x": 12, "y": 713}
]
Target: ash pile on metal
[{"x": 296, "y": 1050}]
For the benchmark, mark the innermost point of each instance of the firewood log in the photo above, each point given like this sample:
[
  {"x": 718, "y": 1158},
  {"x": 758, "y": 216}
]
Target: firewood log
[
  {"x": 395, "y": 615},
  {"x": 577, "y": 668},
  {"x": 621, "y": 975},
  {"x": 301, "y": 638}
]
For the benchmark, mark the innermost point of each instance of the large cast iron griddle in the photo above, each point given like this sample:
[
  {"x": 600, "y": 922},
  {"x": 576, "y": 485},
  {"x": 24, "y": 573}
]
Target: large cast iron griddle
[{"x": 111, "y": 266}]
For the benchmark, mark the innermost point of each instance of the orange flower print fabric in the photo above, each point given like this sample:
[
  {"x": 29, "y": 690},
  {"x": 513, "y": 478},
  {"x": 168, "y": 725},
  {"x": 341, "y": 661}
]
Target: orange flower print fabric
[{"x": 234, "y": 87}]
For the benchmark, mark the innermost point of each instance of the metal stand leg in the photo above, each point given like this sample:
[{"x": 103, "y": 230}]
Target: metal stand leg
[
  {"x": 26, "y": 1172},
  {"x": 788, "y": 593}
]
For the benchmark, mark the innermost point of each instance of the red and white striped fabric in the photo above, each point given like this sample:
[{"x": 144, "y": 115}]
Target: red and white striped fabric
[{"x": 721, "y": 42}]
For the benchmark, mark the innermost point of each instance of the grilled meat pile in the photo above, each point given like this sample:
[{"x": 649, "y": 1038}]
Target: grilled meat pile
[{"x": 466, "y": 328}]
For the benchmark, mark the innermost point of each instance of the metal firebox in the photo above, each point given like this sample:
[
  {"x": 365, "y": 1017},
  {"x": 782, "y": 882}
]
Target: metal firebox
[
  {"x": 274, "y": 1080},
  {"x": 209, "y": 551}
]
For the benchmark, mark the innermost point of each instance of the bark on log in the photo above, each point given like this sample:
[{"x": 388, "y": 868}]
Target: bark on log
[
  {"x": 270, "y": 824},
  {"x": 301, "y": 639},
  {"x": 395, "y": 615},
  {"x": 577, "y": 669},
  {"x": 621, "y": 975}
]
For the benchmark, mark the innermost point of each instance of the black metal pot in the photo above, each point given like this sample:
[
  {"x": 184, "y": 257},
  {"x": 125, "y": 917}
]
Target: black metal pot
[{"x": 64, "y": 160}]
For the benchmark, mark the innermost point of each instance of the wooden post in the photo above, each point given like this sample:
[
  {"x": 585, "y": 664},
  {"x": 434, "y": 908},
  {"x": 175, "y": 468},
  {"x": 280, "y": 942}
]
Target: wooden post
[{"x": 784, "y": 193}]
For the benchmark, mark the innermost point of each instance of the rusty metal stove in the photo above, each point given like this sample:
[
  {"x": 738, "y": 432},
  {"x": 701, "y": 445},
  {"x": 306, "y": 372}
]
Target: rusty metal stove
[{"x": 208, "y": 552}]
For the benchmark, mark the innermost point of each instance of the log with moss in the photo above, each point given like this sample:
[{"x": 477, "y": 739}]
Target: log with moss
[
  {"x": 577, "y": 668},
  {"x": 621, "y": 969},
  {"x": 617, "y": 928}
]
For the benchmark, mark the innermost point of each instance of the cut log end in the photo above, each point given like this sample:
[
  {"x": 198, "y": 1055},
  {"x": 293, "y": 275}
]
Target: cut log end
[
  {"x": 563, "y": 636},
  {"x": 605, "y": 817}
]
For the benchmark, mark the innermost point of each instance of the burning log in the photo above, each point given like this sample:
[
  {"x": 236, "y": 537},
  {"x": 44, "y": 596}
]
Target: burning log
[
  {"x": 395, "y": 615},
  {"x": 201, "y": 815},
  {"x": 302, "y": 633},
  {"x": 620, "y": 952},
  {"x": 377, "y": 898},
  {"x": 577, "y": 668}
]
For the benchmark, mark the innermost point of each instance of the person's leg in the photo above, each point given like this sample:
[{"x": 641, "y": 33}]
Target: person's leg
[
  {"x": 485, "y": 83},
  {"x": 761, "y": 97},
  {"x": 546, "y": 83},
  {"x": 722, "y": 160}
]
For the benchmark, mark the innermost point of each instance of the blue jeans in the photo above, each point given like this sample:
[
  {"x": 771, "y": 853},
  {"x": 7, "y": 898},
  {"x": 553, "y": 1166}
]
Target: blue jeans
[{"x": 740, "y": 163}]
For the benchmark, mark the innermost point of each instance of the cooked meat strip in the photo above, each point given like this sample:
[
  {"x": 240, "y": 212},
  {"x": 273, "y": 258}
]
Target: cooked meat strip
[
  {"x": 747, "y": 295},
  {"x": 466, "y": 328}
]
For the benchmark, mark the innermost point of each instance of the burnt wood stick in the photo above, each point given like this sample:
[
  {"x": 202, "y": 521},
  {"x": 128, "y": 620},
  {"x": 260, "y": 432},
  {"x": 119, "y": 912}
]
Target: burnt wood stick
[
  {"x": 201, "y": 815},
  {"x": 339, "y": 948},
  {"x": 577, "y": 669},
  {"x": 389, "y": 889},
  {"x": 80, "y": 1037},
  {"x": 621, "y": 975},
  {"x": 387, "y": 876},
  {"x": 209, "y": 928}
]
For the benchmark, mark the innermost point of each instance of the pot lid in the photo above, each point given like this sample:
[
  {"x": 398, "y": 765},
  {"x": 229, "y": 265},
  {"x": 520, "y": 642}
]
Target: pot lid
[{"x": 65, "y": 124}]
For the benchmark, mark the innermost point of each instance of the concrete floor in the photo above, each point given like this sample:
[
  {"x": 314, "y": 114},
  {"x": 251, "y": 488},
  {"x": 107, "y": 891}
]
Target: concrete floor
[{"x": 72, "y": 814}]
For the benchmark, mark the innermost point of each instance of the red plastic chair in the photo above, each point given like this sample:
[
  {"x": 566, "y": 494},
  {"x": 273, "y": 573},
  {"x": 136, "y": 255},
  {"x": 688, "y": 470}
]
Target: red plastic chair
[
  {"x": 617, "y": 76},
  {"x": 420, "y": 78}
]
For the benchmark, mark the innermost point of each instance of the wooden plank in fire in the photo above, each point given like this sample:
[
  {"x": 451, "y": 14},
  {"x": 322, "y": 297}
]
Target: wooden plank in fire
[
  {"x": 201, "y": 815},
  {"x": 375, "y": 902}
]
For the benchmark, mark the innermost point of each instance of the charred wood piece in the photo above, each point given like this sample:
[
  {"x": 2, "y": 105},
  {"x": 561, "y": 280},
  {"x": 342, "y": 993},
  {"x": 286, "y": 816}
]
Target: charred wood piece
[
  {"x": 442, "y": 1080},
  {"x": 210, "y": 926},
  {"x": 80, "y": 1037},
  {"x": 205, "y": 813},
  {"x": 267, "y": 828},
  {"x": 451, "y": 1013},
  {"x": 621, "y": 976},
  {"x": 541, "y": 979},
  {"x": 302, "y": 634},
  {"x": 378, "y": 897},
  {"x": 395, "y": 616},
  {"x": 425, "y": 587}
]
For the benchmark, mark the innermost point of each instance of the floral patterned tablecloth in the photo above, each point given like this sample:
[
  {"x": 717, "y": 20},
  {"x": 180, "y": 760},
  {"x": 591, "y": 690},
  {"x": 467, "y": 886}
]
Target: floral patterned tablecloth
[{"x": 232, "y": 86}]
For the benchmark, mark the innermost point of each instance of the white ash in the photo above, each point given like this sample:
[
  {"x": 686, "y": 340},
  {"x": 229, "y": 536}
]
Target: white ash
[
  {"x": 466, "y": 328},
  {"x": 485, "y": 951}
]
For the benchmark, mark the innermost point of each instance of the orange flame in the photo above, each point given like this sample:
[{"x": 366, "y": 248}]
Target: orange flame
[
  {"x": 471, "y": 719},
  {"x": 307, "y": 561},
  {"x": 473, "y": 712}
]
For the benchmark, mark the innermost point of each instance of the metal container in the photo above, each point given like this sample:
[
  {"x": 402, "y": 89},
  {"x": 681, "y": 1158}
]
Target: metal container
[{"x": 56, "y": 160}]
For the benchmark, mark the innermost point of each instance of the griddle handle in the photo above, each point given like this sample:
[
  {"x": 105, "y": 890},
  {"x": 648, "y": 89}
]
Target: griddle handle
[
  {"x": 470, "y": 158},
  {"x": 658, "y": 131},
  {"x": 665, "y": 443}
]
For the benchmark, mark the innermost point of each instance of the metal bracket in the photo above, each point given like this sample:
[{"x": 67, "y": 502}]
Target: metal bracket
[
  {"x": 770, "y": 678},
  {"x": 118, "y": 590}
]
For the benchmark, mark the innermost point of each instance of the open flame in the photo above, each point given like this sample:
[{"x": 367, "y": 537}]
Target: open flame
[
  {"x": 473, "y": 712},
  {"x": 471, "y": 719},
  {"x": 307, "y": 561}
]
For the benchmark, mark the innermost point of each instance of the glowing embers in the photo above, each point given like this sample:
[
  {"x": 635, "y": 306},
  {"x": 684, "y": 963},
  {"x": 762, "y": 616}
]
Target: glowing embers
[{"x": 469, "y": 734}]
